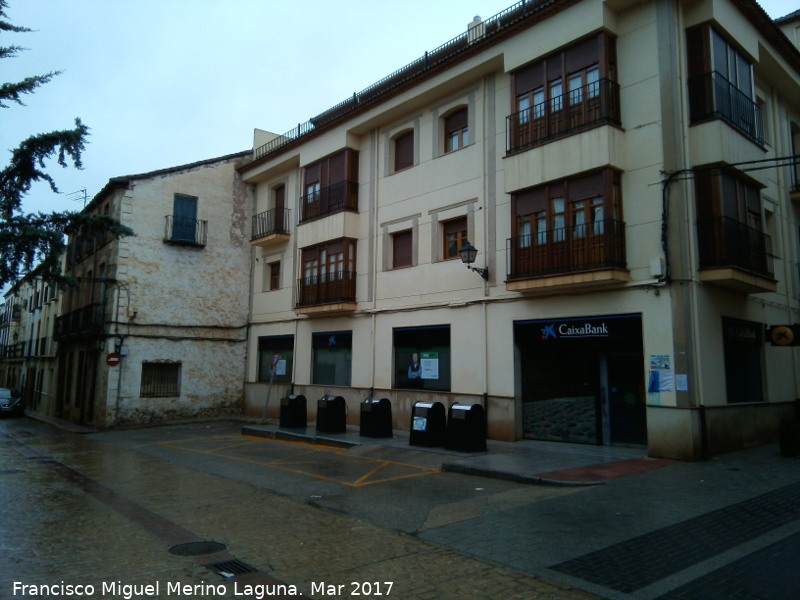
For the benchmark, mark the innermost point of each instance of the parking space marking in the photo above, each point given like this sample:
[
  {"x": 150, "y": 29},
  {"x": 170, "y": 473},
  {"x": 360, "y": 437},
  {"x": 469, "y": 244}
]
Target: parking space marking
[{"x": 326, "y": 463}]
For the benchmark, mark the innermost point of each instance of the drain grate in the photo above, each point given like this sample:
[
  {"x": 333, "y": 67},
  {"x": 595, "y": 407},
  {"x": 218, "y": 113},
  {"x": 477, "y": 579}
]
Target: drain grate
[
  {"x": 197, "y": 548},
  {"x": 234, "y": 567}
]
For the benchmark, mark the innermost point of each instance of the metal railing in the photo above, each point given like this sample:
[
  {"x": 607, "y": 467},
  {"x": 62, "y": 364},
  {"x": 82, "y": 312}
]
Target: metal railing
[
  {"x": 726, "y": 242},
  {"x": 488, "y": 28},
  {"x": 270, "y": 222},
  {"x": 87, "y": 321},
  {"x": 332, "y": 199},
  {"x": 585, "y": 247},
  {"x": 712, "y": 96},
  {"x": 593, "y": 104},
  {"x": 339, "y": 286},
  {"x": 190, "y": 232}
]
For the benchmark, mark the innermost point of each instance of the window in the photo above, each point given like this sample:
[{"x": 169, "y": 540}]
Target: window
[
  {"x": 454, "y": 234},
  {"x": 160, "y": 380},
  {"x": 456, "y": 130},
  {"x": 729, "y": 223},
  {"x": 569, "y": 225},
  {"x": 404, "y": 151},
  {"x": 329, "y": 272},
  {"x": 402, "y": 255},
  {"x": 422, "y": 358},
  {"x": 330, "y": 185},
  {"x": 332, "y": 358},
  {"x": 269, "y": 347},
  {"x": 275, "y": 275},
  {"x": 721, "y": 82},
  {"x": 565, "y": 92}
]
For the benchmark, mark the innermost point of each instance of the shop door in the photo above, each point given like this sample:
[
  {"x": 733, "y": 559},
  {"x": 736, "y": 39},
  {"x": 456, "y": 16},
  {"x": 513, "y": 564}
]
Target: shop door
[{"x": 627, "y": 422}]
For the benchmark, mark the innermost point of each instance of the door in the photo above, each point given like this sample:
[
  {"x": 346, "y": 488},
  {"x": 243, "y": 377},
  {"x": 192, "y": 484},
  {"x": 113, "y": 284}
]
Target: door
[
  {"x": 627, "y": 418},
  {"x": 184, "y": 218}
]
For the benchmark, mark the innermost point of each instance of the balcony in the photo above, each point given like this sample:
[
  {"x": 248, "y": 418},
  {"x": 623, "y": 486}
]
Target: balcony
[
  {"x": 327, "y": 294},
  {"x": 712, "y": 96},
  {"x": 735, "y": 256},
  {"x": 592, "y": 105},
  {"x": 270, "y": 226},
  {"x": 185, "y": 232},
  {"x": 83, "y": 322},
  {"x": 336, "y": 198},
  {"x": 581, "y": 257}
]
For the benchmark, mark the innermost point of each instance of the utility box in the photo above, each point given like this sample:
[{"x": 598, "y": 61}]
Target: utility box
[
  {"x": 428, "y": 424},
  {"x": 376, "y": 418},
  {"x": 466, "y": 428},
  {"x": 293, "y": 411},
  {"x": 331, "y": 414}
]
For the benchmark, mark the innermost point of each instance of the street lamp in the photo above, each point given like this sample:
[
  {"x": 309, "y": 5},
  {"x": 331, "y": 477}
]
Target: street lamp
[{"x": 468, "y": 254}]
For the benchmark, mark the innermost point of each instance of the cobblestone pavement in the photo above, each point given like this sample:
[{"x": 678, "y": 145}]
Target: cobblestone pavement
[
  {"x": 108, "y": 508},
  {"x": 82, "y": 512}
]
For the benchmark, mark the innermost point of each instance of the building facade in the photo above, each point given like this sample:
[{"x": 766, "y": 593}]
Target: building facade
[
  {"x": 623, "y": 169},
  {"x": 27, "y": 347},
  {"x": 155, "y": 328}
]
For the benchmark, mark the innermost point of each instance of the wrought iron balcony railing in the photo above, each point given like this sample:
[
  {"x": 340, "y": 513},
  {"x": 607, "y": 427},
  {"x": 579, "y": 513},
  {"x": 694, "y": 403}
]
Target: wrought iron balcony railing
[
  {"x": 339, "y": 286},
  {"x": 726, "y": 242},
  {"x": 327, "y": 201},
  {"x": 585, "y": 247},
  {"x": 189, "y": 232},
  {"x": 594, "y": 104},
  {"x": 270, "y": 222},
  {"x": 712, "y": 96},
  {"x": 85, "y": 321}
]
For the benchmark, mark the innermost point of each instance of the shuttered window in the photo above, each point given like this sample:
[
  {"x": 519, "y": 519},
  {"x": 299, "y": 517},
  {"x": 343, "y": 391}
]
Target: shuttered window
[
  {"x": 404, "y": 151},
  {"x": 401, "y": 249}
]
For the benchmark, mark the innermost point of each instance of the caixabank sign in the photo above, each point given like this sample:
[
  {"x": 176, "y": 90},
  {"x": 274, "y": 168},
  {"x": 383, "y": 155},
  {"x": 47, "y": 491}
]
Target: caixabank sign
[{"x": 599, "y": 331}]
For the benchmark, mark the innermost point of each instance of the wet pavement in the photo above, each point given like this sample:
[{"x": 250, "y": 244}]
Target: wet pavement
[{"x": 295, "y": 514}]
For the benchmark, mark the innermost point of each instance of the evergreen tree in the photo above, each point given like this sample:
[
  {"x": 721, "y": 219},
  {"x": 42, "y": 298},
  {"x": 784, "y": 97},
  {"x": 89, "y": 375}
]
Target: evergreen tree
[{"x": 29, "y": 241}]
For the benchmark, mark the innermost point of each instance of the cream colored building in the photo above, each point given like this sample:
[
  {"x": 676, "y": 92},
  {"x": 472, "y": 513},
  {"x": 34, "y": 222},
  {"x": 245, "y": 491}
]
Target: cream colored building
[
  {"x": 27, "y": 347},
  {"x": 620, "y": 167},
  {"x": 156, "y": 328}
]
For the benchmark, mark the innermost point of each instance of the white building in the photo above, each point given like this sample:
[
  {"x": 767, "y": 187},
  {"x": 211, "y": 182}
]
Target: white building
[{"x": 621, "y": 167}]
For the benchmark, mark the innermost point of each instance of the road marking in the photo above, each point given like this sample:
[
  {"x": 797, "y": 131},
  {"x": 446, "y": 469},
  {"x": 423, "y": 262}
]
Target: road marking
[{"x": 326, "y": 455}]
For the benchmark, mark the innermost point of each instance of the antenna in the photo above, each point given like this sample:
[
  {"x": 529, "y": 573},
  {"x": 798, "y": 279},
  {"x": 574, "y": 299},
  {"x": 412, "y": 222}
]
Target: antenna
[{"x": 80, "y": 195}]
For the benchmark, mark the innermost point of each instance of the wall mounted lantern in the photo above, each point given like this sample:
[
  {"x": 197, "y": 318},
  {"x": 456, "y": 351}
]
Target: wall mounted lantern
[{"x": 468, "y": 254}]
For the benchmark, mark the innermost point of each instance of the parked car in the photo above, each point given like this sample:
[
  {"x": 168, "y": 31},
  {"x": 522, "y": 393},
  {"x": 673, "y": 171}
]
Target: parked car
[{"x": 10, "y": 403}]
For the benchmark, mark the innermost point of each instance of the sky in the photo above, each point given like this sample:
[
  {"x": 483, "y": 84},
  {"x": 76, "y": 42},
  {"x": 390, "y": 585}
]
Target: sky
[{"x": 163, "y": 83}]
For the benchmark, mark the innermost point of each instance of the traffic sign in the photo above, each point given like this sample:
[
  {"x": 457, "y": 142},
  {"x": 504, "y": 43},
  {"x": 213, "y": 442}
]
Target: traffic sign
[{"x": 112, "y": 360}]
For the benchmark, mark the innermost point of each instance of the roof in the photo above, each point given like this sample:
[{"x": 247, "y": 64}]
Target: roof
[
  {"x": 520, "y": 15},
  {"x": 125, "y": 180}
]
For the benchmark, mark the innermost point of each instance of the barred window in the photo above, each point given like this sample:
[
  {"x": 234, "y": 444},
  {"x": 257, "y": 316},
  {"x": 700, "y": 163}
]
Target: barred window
[{"x": 160, "y": 379}]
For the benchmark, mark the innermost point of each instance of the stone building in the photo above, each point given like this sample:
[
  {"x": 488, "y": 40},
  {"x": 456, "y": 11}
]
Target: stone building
[
  {"x": 623, "y": 169},
  {"x": 157, "y": 325}
]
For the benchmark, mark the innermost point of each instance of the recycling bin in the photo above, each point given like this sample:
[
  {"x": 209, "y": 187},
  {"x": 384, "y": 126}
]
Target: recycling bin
[
  {"x": 466, "y": 428},
  {"x": 331, "y": 414},
  {"x": 376, "y": 418},
  {"x": 293, "y": 411},
  {"x": 428, "y": 424}
]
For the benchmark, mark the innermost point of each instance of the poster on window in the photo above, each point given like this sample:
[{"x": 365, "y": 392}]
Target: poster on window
[{"x": 429, "y": 365}]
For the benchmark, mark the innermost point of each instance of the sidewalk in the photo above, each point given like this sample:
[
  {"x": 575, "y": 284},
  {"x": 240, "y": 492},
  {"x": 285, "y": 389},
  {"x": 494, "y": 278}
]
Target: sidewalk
[{"x": 525, "y": 461}]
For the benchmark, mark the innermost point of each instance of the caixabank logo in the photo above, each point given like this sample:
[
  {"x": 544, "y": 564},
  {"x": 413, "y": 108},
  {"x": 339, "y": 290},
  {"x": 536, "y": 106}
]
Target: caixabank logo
[{"x": 570, "y": 330}]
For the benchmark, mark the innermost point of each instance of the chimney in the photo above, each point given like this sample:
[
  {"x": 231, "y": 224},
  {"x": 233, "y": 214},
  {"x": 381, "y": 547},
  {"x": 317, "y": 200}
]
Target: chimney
[{"x": 476, "y": 29}]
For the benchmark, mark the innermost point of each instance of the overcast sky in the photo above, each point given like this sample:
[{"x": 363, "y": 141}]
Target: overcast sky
[{"x": 162, "y": 83}]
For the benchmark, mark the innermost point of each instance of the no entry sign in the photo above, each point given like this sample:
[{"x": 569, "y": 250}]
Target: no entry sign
[{"x": 112, "y": 360}]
